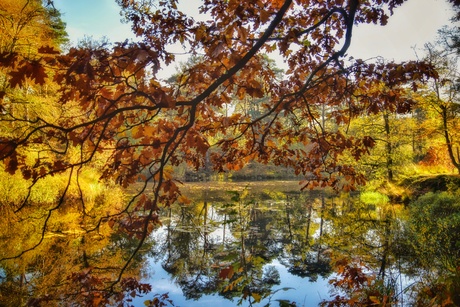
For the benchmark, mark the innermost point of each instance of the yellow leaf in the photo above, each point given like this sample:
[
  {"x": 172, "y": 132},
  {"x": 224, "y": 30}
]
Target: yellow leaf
[
  {"x": 149, "y": 130},
  {"x": 256, "y": 297},
  {"x": 374, "y": 299},
  {"x": 167, "y": 172},
  {"x": 136, "y": 132}
]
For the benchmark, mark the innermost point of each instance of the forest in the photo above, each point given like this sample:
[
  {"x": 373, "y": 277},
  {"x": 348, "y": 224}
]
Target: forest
[{"x": 233, "y": 172}]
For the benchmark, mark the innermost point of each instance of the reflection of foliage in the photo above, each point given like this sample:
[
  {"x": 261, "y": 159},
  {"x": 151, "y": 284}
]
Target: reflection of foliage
[
  {"x": 364, "y": 227},
  {"x": 92, "y": 295},
  {"x": 271, "y": 275},
  {"x": 186, "y": 250},
  {"x": 434, "y": 226},
  {"x": 159, "y": 300},
  {"x": 433, "y": 241},
  {"x": 228, "y": 247},
  {"x": 303, "y": 251},
  {"x": 313, "y": 265},
  {"x": 72, "y": 265},
  {"x": 251, "y": 283},
  {"x": 359, "y": 287},
  {"x": 249, "y": 252}
]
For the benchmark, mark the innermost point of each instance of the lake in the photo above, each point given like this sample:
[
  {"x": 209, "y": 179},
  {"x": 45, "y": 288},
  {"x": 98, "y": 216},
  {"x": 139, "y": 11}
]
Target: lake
[
  {"x": 239, "y": 243},
  {"x": 257, "y": 243}
]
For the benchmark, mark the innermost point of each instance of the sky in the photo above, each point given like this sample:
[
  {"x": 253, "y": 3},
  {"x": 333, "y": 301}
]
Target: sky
[{"x": 414, "y": 23}]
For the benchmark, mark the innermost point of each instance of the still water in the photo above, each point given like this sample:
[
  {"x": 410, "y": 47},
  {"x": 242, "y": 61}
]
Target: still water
[
  {"x": 247, "y": 244},
  {"x": 254, "y": 244},
  {"x": 297, "y": 289}
]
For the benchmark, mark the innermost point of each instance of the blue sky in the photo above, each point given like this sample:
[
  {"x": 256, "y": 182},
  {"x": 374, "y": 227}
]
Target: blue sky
[
  {"x": 95, "y": 18},
  {"x": 413, "y": 25}
]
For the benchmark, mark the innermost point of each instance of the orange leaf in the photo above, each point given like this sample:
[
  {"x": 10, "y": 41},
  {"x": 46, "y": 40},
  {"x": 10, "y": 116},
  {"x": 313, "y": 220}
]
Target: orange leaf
[{"x": 184, "y": 200}]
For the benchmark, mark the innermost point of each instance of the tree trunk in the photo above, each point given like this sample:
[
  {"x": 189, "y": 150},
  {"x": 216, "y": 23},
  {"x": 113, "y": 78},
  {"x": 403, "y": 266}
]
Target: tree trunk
[
  {"x": 389, "y": 147},
  {"x": 455, "y": 160}
]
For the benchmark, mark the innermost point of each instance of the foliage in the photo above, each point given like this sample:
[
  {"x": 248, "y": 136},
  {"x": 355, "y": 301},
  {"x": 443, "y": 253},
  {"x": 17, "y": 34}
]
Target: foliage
[
  {"x": 106, "y": 108},
  {"x": 440, "y": 102},
  {"x": 394, "y": 142},
  {"x": 28, "y": 25},
  {"x": 56, "y": 27},
  {"x": 360, "y": 287},
  {"x": 435, "y": 217},
  {"x": 159, "y": 301},
  {"x": 373, "y": 198},
  {"x": 48, "y": 219},
  {"x": 432, "y": 237}
]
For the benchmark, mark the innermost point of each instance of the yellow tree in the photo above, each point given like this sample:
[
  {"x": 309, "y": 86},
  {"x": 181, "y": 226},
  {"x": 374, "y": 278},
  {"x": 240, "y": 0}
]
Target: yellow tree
[
  {"x": 28, "y": 25},
  {"x": 441, "y": 98}
]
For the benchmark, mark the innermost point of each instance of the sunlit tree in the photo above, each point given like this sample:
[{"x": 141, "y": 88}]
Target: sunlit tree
[{"x": 441, "y": 98}]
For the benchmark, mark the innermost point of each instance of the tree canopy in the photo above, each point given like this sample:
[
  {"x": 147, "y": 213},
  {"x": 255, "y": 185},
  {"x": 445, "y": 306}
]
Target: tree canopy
[{"x": 110, "y": 104}]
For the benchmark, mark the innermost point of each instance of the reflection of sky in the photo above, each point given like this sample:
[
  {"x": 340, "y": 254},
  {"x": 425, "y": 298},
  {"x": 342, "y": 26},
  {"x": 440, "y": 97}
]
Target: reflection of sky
[{"x": 304, "y": 293}]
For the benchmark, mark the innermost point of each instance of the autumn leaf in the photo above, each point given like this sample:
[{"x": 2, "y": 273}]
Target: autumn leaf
[
  {"x": 226, "y": 273},
  {"x": 48, "y": 50},
  {"x": 184, "y": 200},
  {"x": 257, "y": 297},
  {"x": 32, "y": 70},
  {"x": 136, "y": 132},
  {"x": 277, "y": 4},
  {"x": 11, "y": 164}
]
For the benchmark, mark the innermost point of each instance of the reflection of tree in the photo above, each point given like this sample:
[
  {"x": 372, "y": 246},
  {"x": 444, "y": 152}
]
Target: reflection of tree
[
  {"x": 232, "y": 263},
  {"x": 71, "y": 266},
  {"x": 311, "y": 265},
  {"x": 247, "y": 277},
  {"x": 186, "y": 249},
  {"x": 365, "y": 231},
  {"x": 304, "y": 232},
  {"x": 305, "y": 255},
  {"x": 247, "y": 236},
  {"x": 374, "y": 244}
]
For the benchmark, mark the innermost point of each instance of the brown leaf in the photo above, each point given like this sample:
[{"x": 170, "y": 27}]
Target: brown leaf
[
  {"x": 32, "y": 70},
  {"x": 226, "y": 273},
  {"x": 48, "y": 50},
  {"x": 11, "y": 163}
]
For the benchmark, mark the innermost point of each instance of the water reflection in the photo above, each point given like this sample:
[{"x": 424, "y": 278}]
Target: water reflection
[
  {"x": 66, "y": 263},
  {"x": 249, "y": 246},
  {"x": 258, "y": 245},
  {"x": 235, "y": 247}
]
